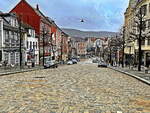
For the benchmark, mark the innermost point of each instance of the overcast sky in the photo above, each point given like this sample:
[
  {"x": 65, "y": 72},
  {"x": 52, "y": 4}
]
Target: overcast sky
[{"x": 98, "y": 15}]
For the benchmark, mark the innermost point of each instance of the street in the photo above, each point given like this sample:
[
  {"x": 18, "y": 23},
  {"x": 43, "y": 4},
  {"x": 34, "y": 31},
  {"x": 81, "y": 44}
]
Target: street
[{"x": 79, "y": 88}]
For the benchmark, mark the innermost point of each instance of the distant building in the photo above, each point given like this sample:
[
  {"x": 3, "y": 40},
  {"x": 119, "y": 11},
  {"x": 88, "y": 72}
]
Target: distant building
[
  {"x": 64, "y": 46},
  {"x": 81, "y": 48}
]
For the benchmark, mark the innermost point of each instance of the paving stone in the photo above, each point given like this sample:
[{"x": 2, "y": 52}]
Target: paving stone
[{"x": 81, "y": 88}]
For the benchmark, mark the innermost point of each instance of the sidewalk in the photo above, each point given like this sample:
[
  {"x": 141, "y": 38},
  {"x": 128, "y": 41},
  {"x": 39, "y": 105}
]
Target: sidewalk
[
  {"x": 14, "y": 70},
  {"x": 7, "y": 71},
  {"x": 140, "y": 75}
]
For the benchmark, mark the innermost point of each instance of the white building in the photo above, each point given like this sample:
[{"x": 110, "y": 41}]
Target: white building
[
  {"x": 9, "y": 39},
  {"x": 31, "y": 46}
]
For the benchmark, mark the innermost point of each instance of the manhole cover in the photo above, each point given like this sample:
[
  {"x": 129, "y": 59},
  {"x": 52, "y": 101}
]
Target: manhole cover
[{"x": 39, "y": 77}]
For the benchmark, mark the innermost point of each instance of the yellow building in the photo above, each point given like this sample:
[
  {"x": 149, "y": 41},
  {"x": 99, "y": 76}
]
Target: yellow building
[
  {"x": 129, "y": 17},
  {"x": 132, "y": 47}
]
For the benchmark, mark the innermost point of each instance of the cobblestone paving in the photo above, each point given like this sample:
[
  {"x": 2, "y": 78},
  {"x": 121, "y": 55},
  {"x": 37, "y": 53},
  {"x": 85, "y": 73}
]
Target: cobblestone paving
[{"x": 81, "y": 88}]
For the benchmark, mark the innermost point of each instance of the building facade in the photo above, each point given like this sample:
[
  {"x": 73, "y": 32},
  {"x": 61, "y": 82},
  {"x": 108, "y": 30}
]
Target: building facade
[
  {"x": 31, "y": 46},
  {"x": 131, "y": 49},
  {"x": 36, "y": 19},
  {"x": 49, "y": 35},
  {"x": 82, "y": 49},
  {"x": 10, "y": 39}
]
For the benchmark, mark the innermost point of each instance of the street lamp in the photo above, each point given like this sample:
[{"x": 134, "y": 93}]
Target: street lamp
[{"x": 44, "y": 34}]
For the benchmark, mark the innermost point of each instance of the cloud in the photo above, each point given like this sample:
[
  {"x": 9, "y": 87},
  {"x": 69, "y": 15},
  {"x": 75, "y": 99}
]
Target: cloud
[{"x": 98, "y": 14}]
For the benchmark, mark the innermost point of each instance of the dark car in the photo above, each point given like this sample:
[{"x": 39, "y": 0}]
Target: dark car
[
  {"x": 74, "y": 61},
  {"x": 50, "y": 64},
  {"x": 77, "y": 59},
  {"x": 102, "y": 64}
]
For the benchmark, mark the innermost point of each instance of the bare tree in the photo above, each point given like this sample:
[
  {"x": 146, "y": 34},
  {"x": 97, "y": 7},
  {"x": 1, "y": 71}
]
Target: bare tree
[
  {"x": 114, "y": 45},
  {"x": 138, "y": 32}
]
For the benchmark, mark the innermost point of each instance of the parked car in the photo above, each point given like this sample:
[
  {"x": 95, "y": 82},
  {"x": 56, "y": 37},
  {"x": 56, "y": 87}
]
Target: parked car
[
  {"x": 77, "y": 59},
  {"x": 74, "y": 61},
  {"x": 95, "y": 60},
  {"x": 102, "y": 64},
  {"x": 50, "y": 64},
  {"x": 69, "y": 62}
]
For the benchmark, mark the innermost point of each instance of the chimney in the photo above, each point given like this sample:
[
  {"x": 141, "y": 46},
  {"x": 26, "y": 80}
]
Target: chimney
[{"x": 37, "y": 7}]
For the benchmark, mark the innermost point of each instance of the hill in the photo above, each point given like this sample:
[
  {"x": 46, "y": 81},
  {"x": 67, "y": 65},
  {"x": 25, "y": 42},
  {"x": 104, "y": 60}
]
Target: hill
[{"x": 83, "y": 34}]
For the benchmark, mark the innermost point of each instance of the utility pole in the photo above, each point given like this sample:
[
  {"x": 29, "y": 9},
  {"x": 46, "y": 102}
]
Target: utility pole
[
  {"x": 61, "y": 46},
  {"x": 139, "y": 39},
  {"x": 123, "y": 46},
  {"x": 20, "y": 45},
  {"x": 43, "y": 46},
  {"x": 110, "y": 51}
]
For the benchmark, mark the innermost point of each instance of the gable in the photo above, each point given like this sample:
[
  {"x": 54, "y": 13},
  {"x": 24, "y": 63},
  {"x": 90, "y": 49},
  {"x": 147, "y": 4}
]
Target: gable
[{"x": 24, "y": 7}]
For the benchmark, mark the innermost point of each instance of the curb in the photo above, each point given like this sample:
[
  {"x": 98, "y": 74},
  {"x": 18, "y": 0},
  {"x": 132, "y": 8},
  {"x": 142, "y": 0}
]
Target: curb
[
  {"x": 22, "y": 71},
  {"x": 132, "y": 75}
]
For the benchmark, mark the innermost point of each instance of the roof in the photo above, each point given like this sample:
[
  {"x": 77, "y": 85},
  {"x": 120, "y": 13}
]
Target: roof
[
  {"x": 37, "y": 11},
  {"x": 27, "y": 26}
]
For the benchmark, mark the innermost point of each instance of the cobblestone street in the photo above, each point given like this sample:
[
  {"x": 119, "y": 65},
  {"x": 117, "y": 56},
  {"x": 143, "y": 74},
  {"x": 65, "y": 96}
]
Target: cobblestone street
[{"x": 81, "y": 88}]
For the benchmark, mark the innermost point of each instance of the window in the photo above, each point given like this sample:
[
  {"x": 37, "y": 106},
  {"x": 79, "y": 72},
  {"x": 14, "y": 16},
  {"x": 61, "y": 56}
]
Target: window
[
  {"x": 149, "y": 40},
  {"x": 149, "y": 7},
  {"x": 30, "y": 45},
  {"x": 6, "y": 35},
  {"x": 144, "y": 9},
  {"x": 6, "y": 56},
  {"x": 27, "y": 44},
  {"x": 0, "y": 55},
  {"x": 12, "y": 58},
  {"x": 148, "y": 24},
  {"x": 15, "y": 23},
  {"x": 15, "y": 36},
  {"x": 143, "y": 25},
  {"x": 17, "y": 58},
  {"x": 33, "y": 45},
  {"x": 143, "y": 42},
  {"x": 36, "y": 45}
]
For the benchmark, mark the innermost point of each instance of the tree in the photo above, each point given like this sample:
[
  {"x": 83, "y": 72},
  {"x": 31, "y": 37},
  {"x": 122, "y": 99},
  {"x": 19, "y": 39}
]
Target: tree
[
  {"x": 138, "y": 32},
  {"x": 114, "y": 45},
  {"x": 122, "y": 43}
]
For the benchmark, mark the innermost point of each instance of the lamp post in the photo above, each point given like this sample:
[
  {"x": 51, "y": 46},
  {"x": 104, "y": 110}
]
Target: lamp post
[
  {"x": 62, "y": 36},
  {"x": 43, "y": 47},
  {"x": 123, "y": 46},
  {"x": 129, "y": 56}
]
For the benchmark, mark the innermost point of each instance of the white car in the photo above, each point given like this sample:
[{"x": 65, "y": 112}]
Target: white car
[{"x": 69, "y": 62}]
